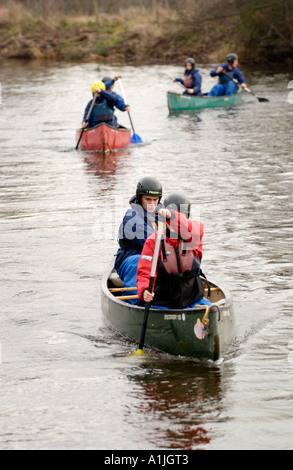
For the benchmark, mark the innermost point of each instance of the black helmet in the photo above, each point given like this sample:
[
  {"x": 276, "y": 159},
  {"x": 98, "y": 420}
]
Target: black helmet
[
  {"x": 191, "y": 61},
  {"x": 178, "y": 202},
  {"x": 231, "y": 58},
  {"x": 149, "y": 186}
]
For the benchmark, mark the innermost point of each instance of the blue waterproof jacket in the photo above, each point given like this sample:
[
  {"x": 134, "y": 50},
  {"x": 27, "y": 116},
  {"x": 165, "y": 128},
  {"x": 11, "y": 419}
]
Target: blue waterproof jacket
[
  {"x": 223, "y": 79},
  {"x": 196, "y": 79},
  {"x": 113, "y": 100},
  {"x": 120, "y": 103},
  {"x": 136, "y": 227}
]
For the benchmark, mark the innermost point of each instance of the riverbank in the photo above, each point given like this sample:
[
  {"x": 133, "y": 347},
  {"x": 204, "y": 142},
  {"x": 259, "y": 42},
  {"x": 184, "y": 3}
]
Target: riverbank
[
  {"x": 124, "y": 39},
  {"x": 114, "y": 39}
]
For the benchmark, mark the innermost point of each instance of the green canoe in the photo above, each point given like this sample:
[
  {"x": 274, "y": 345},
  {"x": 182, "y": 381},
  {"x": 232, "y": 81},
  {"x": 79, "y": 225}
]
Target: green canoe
[
  {"x": 201, "y": 332},
  {"x": 178, "y": 102}
]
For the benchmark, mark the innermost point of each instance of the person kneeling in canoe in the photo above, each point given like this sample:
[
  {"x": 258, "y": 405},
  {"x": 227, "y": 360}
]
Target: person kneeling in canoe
[
  {"x": 178, "y": 283},
  {"x": 120, "y": 103},
  {"x": 227, "y": 73},
  {"x": 139, "y": 222},
  {"x": 192, "y": 79},
  {"x": 103, "y": 110}
]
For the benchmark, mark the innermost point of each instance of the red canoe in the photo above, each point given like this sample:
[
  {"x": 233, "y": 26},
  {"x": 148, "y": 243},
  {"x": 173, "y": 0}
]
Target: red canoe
[{"x": 104, "y": 138}]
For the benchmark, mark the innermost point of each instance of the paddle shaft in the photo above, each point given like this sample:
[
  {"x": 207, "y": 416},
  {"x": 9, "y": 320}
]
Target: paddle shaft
[
  {"x": 145, "y": 319},
  {"x": 177, "y": 83},
  {"x": 180, "y": 84},
  {"x": 151, "y": 284},
  {"x": 125, "y": 101},
  {"x": 87, "y": 119},
  {"x": 246, "y": 89}
]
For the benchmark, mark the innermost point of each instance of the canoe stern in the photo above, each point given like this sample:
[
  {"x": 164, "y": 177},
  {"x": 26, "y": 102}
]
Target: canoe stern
[{"x": 104, "y": 138}]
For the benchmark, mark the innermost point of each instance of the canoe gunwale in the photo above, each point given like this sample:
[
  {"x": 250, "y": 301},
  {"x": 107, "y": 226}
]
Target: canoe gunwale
[
  {"x": 120, "y": 128},
  {"x": 113, "y": 298},
  {"x": 196, "y": 103},
  {"x": 172, "y": 331}
]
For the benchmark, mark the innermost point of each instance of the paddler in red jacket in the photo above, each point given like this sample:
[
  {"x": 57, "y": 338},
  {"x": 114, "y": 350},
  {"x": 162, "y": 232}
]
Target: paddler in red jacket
[{"x": 178, "y": 283}]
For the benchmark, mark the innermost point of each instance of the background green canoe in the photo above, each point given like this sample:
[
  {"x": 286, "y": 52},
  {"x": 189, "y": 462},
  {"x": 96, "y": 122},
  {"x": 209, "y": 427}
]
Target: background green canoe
[{"x": 178, "y": 102}]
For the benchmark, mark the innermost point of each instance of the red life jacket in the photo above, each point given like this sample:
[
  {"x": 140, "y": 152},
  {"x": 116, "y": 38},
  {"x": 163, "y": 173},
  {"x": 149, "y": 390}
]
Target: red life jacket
[
  {"x": 188, "y": 81},
  {"x": 177, "y": 259},
  {"x": 178, "y": 283}
]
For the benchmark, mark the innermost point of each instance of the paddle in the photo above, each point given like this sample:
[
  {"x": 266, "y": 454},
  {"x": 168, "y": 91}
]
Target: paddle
[
  {"x": 87, "y": 119},
  {"x": 161, "y": 226},
  {"x": 177, "y": 83},
  {"x": 135, "y": 139},
  {"x": 261, "y": 100}
]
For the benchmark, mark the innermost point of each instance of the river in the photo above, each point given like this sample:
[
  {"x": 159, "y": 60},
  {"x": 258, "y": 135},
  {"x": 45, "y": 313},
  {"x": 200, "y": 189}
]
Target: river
[{"x": 66, "y": 380}]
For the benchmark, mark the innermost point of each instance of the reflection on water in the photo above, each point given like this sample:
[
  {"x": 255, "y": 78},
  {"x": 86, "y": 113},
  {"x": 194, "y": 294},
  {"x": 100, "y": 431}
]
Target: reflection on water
[
  {"x": 64, "y": 382},
  {"x": 105, "y": 165},
  {"x": 183, "y": 398}
]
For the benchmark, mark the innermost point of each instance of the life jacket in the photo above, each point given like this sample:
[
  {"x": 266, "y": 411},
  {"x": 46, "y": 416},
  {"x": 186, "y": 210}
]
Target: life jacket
[
  {"x": 102, "y": 112},
  {"x": 178, "y": 283},
  {"x": 188, "y": 81},
  {"x": 224, "y": 79}
]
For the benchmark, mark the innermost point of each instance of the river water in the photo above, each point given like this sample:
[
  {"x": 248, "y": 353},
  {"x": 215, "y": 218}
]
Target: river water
[{"x": 66, "y": 381}]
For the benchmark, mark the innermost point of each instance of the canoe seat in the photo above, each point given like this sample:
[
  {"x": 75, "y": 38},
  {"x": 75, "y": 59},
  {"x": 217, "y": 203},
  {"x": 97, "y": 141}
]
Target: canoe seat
[
  {"x": 115, "y": 280},
  {"x": 219, "y": 303}
]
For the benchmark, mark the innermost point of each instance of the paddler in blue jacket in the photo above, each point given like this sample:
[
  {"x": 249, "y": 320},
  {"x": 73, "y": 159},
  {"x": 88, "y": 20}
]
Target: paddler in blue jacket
[
  {"x": 227, "y": 73},
  {"x": 120, "y": 103},
  {"x": 103, "y": 110},
  {"x": 138, "y": 224},
  {"x": 192, "y": 79}
]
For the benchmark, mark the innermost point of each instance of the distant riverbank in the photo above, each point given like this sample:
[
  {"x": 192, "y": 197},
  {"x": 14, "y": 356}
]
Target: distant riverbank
[
  {"x": 113, "y": 40},
  {"x": 129, "y": 38}
]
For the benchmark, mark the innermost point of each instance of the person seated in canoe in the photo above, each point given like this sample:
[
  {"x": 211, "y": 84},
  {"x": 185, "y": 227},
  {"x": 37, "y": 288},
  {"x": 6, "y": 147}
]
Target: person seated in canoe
[
  {"x": 120, "y": 103},
  {"x": 228, "y": 74},
  {"x": 178, "y": 283},
  {"x": 103, "y": 110},
  {"x": 192, "y": 79},
  {"x": 138, "y": 224}
]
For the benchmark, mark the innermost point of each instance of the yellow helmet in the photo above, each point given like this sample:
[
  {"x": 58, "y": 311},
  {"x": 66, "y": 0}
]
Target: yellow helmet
[{"x": 96, "y": 85}]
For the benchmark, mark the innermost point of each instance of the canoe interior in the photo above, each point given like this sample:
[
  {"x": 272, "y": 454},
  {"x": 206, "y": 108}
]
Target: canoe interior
[
  {"x": 172, "y": 331},
  {"x": 214, "y": 294}
]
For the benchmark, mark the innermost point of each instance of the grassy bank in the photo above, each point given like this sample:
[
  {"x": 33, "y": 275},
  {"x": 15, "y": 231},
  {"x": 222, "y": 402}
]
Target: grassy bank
[
  {"x": 113, "y": 38},
  {"x": 138, "y": 35}
]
